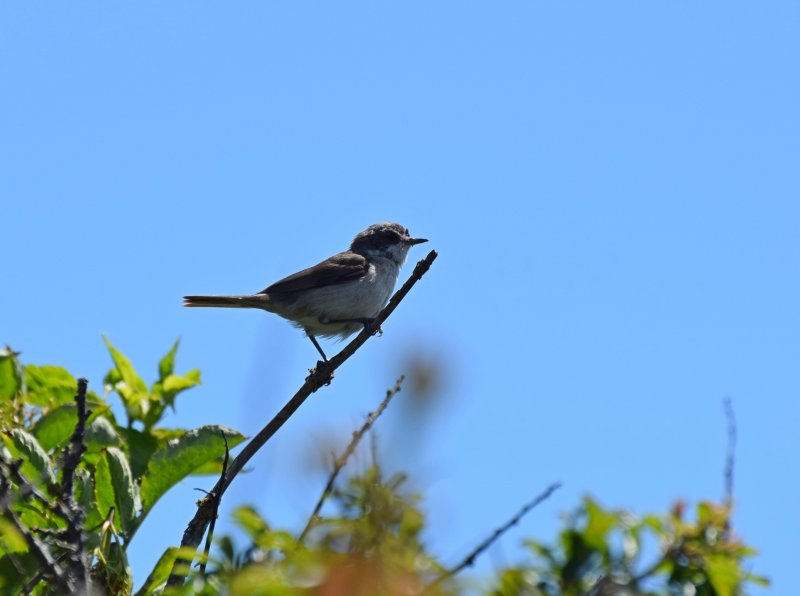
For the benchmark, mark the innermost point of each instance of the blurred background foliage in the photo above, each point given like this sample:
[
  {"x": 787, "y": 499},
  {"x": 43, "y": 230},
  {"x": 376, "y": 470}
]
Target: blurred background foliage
[{"x": 368, "y": 539}]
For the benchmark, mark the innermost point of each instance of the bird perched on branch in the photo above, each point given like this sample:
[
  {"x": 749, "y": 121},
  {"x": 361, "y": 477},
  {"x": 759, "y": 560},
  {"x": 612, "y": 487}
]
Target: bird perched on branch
[{"x": 338, "y": 296}]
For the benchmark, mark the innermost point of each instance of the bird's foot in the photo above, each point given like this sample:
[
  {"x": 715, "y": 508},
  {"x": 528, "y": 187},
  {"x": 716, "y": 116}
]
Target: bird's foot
[
  {"x": 323, "y": 371},
  {"x": 373, "y": 327}
]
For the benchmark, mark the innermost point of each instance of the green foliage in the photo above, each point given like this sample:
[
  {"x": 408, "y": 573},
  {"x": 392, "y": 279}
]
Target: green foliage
[
  {"x": 369, "y": 539},
  {"x": 371, "y": 545},
  {"x": 608, "y": 552},
  {"x": 179, "y": 457},
  {"x": 141, "y": 404},
  {"x": 126, "y": 468}
]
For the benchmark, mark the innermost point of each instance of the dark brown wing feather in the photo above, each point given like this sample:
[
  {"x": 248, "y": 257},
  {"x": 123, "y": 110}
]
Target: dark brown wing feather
[{"x": 341, "y": 268}]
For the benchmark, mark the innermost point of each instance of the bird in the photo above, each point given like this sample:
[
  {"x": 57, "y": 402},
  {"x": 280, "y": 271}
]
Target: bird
[{"x": 338, "y": 296}]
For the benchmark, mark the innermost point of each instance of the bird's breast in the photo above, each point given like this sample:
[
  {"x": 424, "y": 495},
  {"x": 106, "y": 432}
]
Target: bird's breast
[{"x": 363, "y": 298}]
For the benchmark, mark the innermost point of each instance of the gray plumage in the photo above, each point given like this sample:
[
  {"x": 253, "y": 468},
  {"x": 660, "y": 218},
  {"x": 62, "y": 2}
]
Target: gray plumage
[{"x": 336, "y": 297}]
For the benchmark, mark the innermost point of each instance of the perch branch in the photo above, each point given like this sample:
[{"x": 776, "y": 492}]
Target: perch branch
[{"x": 318, "y": 377}]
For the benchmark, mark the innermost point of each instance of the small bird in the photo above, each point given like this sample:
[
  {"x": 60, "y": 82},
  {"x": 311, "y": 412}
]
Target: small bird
[{"x": 338, "y": 296}]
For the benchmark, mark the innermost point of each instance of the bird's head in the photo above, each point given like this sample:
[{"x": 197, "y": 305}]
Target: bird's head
[{"x": 389, "y": 240}]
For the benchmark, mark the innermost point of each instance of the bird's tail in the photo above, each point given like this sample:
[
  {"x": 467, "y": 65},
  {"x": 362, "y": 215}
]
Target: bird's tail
[{"x": 247, "y": 301}]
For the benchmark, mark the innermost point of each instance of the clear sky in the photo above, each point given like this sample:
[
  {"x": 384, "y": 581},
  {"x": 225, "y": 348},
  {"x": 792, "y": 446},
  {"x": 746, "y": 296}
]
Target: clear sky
[{"x": 612, "y": 188}]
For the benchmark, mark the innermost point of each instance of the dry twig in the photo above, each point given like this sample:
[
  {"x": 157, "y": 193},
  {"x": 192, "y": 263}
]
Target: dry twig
[
  {"x": 730, "y": 457},
  {"x": 340, "y": 460},
  {"x": 216, "y": 500},
  {"x": 469, "y": 560}
]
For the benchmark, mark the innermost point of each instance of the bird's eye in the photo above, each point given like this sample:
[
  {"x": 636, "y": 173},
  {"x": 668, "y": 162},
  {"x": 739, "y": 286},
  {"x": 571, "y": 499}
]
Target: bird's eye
[{"x": 407, "y": 232}]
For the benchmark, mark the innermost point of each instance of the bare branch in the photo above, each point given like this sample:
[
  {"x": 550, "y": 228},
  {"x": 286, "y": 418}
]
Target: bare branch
[
  {"x": 78, "y": 569},
  {"x": 730, "y": 458},
  {"x": 216, "y": 499},
  {"x": 320, "y": 376},
  {"x": 74, "y": 450},
  {"x": 340, "y": 460},
  {"x": 469, "y": 560}
]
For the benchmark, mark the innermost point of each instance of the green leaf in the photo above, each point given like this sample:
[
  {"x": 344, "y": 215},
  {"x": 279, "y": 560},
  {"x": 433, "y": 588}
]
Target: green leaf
[
  {"x": 56, "y": 427},
  {"x": 705, "y": 513},
  {"x": 12, "y": 378},
  {"x": 125, "y": 369},
  {"x": 759, "y": 580},
  {"x": 33, "y": 515},
  {"x": 11, "y": 538},
  {"x": 598, "y": 526},
  {"x": 49, "y": 385},
  {"x": 105, "y": 495},
  {"x": 85, "y": 497},
  {"x": 36, "y": 464},
  {"x": 160, "y": 573},
  {"x": 126, "y": 497},
  {"x": 165, "y": 392},
  {"x": 250, "y": 521},
  {"x": 180, "y": 457},
  {"x": 210, "y": 468},
  {"x": 141, "y": 447},
  {"x": 128, "y": 384},
  {"x": 15, "y": 570},
  {"x": 724, "y": 574},
  {"x": 174, "y": 384},
  {"x": 100, "y": 432},
  {"x": 167, "y": 363}
]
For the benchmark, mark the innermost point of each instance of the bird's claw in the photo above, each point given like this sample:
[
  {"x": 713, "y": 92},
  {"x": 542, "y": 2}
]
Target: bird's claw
[
  {"x": 321, "y": 369},
  {"x": 373, "y": 328}
]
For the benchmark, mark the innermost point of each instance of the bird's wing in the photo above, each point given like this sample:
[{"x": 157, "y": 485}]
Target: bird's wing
[{"x": 341, "y": 268}]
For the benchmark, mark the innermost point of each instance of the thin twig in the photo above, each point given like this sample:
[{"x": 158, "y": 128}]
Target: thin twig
[
  {"x": 216, "y": 498},
  {"x": 24, "y": 489},
  {"x": 730, "y": 457},
  {"x": 28, "y": 587},
  {"x": 340, "y": 460},
  {"x": 469, "y": 560},
  {"x": 320, "y": 376},
  {"x": 42, "y": 552},
  {"x": 9, "y": 471}
]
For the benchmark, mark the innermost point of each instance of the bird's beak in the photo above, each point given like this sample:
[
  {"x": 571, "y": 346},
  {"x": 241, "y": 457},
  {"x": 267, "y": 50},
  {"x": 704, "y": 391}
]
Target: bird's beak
[{"x": 413, "y": 241}]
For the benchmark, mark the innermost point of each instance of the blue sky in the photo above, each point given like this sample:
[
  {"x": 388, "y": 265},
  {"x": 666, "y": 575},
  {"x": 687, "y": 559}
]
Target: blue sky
[{"x": 612, "y": 188}]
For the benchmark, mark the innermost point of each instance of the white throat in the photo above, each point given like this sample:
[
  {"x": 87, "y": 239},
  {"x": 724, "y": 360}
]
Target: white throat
[{"x": 394, "y": 252}]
